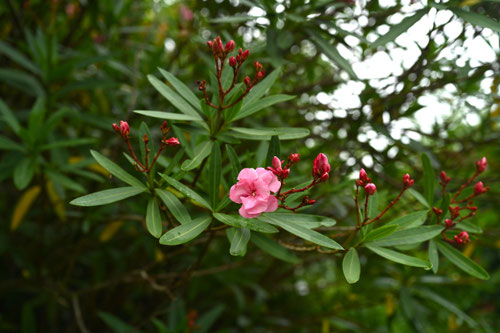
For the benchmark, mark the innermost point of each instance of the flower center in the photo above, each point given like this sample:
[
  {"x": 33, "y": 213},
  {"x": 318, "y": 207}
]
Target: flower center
[{"x": 254, "y": 194}]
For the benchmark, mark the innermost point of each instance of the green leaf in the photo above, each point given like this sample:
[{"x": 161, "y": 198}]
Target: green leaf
[
  {"x": 274, "y": 249},
  {"x": 411, "y": 220},
  {"x": 22, "y": 81},
  {"x": 186, "y": 191},
  {"x": 215, "y": 174},
  {"x": 469, "y": 227},
  {"x": 351, "y": 266},
  {"x": 18, "y": 57},
  {"x": 238, "y": 237},
  {"x": 116, "y": 324},
  {"x": 273, "y": 150},
  {"x": 9, "y": 118},
  {"x": 429, "y": 179},
  {"x": 420, "y": 198},
  {"x": 182, "y": 89},
  {"x": 115, "y": 170},
  {"x": 202, "y": 151},
  {"x": 305, "y": 220},
  {"x": 235, "y": 163},
  {"x": 205, "y": 322},
  {"x": 174, "y": 206},
  {"x": 176, "y": 100},
  {"x": 445, "y": 304},
  {"x": 433, "y": 256},
  {"x": 107, "y": 196},
  {"x": 68, "y": 143},
  {"x": 153, "y": 218},
  {"x": 380, "y": 233},
  {"x": 23, "y": 173},
  {"x": 241, "y": 222},
  {"x": 233, "y": 19},
  {"x": 409, "y": 236},
  {"x": 305, "y": 233},
  {"x": 260, "y": 89},
  {"x": 7, "y": 144},
  {"x": 462, "y": 262},
  {"x": 61, "y": 179},
  {"x": 185, "y": 232},
  {"x": 331, "y": 52},
  {"x": 372, "y": 208},
  {"x": 249, "y": 109},
  {"x": 477, "y": 19},
  {"x": 399, "y": 257},
  {"x": 167, "y": 115},
  {"x": 284, "y": 133},
  {"x": 399, "y": 28}
]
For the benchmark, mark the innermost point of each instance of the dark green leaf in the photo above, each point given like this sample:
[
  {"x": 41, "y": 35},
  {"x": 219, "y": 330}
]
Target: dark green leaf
[
  {"x": 23, "y": 173},
  {"x": 18, "y": 57},
  {"x": 215, "y": 174},
  {"x": 380, "y": 233},
  {"x": 9, "y": 118},
  {"x": 260, "y": 89},
  {"x": 433, "y": 256},
  {"x": 351, "y": 266},
  {"x": 185, "y": 232},
  {"x": 409, "y": 236},
  {"x": 235, "y": 163},
  {"x": 153, "y": 218},
  {"x": 238, "y": 237},
  {"x": 182, "y": 89},
  {"x": 241, "y": 222},
  {"x": 399, "y": 257},
  {"x": 7, "y": 144},
  {"x": 273, "y": 248},
  {"x": 305, "y": 220},
  {"x": 115, "y": 170},
  {"x": 202, "y": 151},
  {"x": 186, "y": 191},
  {"x": 477, "y": 19},
  {"x": 256, "y": 106},
  {"x": 429, "y": 179},
  {"x": 273, "y": 150},
  {"x": 462, "y": 262},
  {"x": 174, "y": 206},
  {"x": 399, "y": 28},
  {"x": 107, "y": 196},
  {"x": 331, "y": 52},
  {"x": 420, "y": 198},
  {"x": 167, "y": 115},
  {"x": 411, "y": 220},
  {"x": 284, "y": 133}
]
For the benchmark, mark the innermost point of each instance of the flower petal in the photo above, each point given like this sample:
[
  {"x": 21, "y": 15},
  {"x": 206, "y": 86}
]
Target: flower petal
[
  {"x": 243, "y": 212},
  {"x": 272, "y": 204},
  {"x": 238, "y": 190},
  {"x": 247, "y": 174}
]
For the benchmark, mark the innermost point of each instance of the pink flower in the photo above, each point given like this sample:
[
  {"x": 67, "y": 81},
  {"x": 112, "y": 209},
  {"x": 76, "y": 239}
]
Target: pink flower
[
  {"x": 370, "y": 189},
  {"x": 321, "y": 168},
  {"x": 172, "y": 142},
  {"x": 253, "y": 192},
  {"x": 123, "y": 129}
]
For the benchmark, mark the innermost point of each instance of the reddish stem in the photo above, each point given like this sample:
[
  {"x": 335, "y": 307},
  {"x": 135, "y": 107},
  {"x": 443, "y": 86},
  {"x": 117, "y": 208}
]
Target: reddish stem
[
  {"x": 357, "y": 205},
  {"x": 464, "y": 186},
  {"x": 393, "y": 202}
]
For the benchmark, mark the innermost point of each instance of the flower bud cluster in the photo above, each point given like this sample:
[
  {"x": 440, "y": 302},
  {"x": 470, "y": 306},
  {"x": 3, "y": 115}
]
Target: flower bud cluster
[
  {"x": 321, "y": 168},
  {"x": 124, "y": 130}
]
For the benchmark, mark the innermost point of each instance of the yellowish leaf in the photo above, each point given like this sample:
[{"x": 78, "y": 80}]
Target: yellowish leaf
[
  {"x": 159, "y": 256},
  {"x": 110, "y": 230},
  {"x": 23, "y": 205},
  {"x": 56, "y": 200},
  {"x": 469, "y": 3}
]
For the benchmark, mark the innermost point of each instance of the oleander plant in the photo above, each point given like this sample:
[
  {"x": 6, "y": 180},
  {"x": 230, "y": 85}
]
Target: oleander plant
[{"x": 271, "y": 179}]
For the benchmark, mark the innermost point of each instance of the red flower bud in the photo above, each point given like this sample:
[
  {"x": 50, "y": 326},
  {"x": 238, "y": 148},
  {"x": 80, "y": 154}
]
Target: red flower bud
[
  {"x": 260, "y": 75},
  {"x": 321, "y": 167},
  {"x": 462, "y": 238},
  {"x": 481, "y": 164},
  {"x": 370, "y": 189},
  {"x": 245, "y": 55},
  {"x": 172, "y": 142},
  {"x": 363, "y": 176},
  {"x": 454, "y": 211},
  {"x": 232, "y": 61},
  {"x": 449, "y": 223},
  {"x": 437, "y": 211},
  {"x": 479, "y": 188},
  {"x": 247, "y": 81},
  {"x": 444, "y": 178},
  {"x": 258, "y": 66},
  {"x": 311, "y": 202},
  {"x": 209, "y": 44},
  {"x": 407, "y": 182},
  {"x": 220, "y": 46},
  {"x": 145, "y": 139},
  {"x": 116, "y": 128},
  {"x": 229, "y": 46},
  {"x": 294, "y": 158},
  {"x": 164, "y": 128},
  {"x": 124, "y": 128}
]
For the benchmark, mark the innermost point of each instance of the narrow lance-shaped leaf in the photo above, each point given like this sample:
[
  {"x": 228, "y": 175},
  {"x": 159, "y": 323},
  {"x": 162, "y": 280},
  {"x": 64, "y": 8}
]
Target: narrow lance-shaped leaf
[
  {"x": 284, "y": 133},
  {"x": 186, "y": 191},
  {"x": 215, "y": 173},
  {"x": 115, "y": 170},
  {"x": 202, "y": 152},
  {"x": 9, "y": 118},
  {"x": 399, "y": 28},
  {"x": 429, "y": 180},
  {"x": 273, "y": 248},
  {"x": 462, "y": 262},
  {"x": 274, "y": 150},
  {"x": 238, "y": 237},
  {"x": 153, "y": 218},
  {"x": 433, "y": 256},
  {"x": 185, "y": 232},
  {"x": 107, "y": 196},
  {"x": 167, "y": 115},
  {"x": 23, "y": 173},
  {"x": 411, "y": 220},
  {"x": 182, "y": 89},
  {"x": 477, "y": 19},
  {"x": 260, "y": 89},
  {"x": 235, "y": 163},
  {"x": 399, "y": 257},
  {"x": 261, "y": 104},
  {"x": 380, "y": 233},
  {"x": 351, "y": 266},
  {"x": 241, "y": 222},
  {"x": 409, "y": 236},
  {"x": 174, "y": 206}
]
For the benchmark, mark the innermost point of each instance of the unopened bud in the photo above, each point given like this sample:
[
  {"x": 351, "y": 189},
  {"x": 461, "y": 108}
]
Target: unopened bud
[
  {"x": 247, "y": 81},
  {"x": 462, "y": 238},
  {"x": 164, "y": 128},
  {"x": 232, "y": 61},
  {"x": 258, "y": 66},
  {"x": 363, "y": 176},
  {"x": 321, "y": 167},
  {"x": 449, "y": 223},
  {"x": 294, "y": 158},
  {"x": 481, "y": 164},
  {"x": 370, "y": 189},
  {"x": 172, "y": 142},
  {"x": 116, "y": 128},
  {"x": 407, "y": 182},
  {"x": 444, "y": 178},
  {"x": 245, "y": 55},
  {"x": 145, "y": 139},
  {"x": 454, "y": 211},
  {"x": 260, "y": 75},
  {"x": 229, "y": 46},
  {"x": 437, "y": 211},
  {"x": 124, "y": 128},
  {"x": 479, "y": 188},
  {"x": 209, "y": 44}
]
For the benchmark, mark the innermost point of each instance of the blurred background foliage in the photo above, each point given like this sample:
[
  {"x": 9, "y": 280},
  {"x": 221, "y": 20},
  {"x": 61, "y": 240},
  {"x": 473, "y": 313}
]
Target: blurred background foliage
[{"x": 374, "y": 92}]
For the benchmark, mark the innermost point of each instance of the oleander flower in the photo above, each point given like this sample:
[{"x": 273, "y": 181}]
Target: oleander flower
[{"x": 253, "y": 191}]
